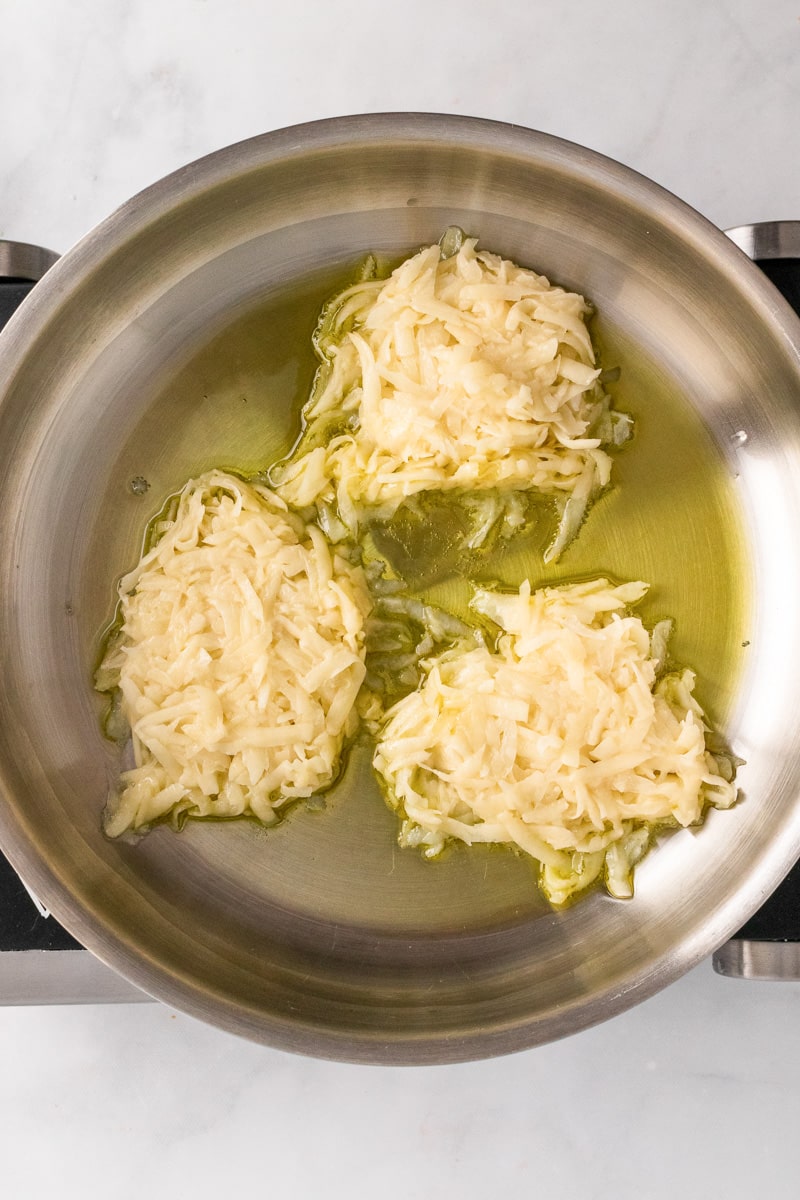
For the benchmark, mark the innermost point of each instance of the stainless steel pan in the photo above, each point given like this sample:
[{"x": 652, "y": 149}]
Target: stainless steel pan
[{"x": 175, "y": 337}]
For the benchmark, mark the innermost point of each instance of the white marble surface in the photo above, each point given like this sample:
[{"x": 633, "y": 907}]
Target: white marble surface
[{"x": 696, "y": 1092}]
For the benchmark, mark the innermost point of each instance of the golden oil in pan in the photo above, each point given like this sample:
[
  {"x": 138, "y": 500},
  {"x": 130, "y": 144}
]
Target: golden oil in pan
[{"x": 670, "y": 519}]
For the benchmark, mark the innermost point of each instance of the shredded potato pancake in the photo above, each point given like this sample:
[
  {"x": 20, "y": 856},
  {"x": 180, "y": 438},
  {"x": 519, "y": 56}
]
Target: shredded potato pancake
[
  {"x": 238, "y": 659},
  {"x": 262, "y": 629},
  {"x": 460, "y": 372},
  {"x": 561, "y": 740}
]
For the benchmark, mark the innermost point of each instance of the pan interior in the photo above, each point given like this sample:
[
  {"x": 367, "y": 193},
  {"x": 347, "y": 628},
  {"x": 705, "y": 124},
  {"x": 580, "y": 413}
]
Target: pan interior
[
  {"x": 185, "y": 344},
  {"x": 670, "y": 519}
]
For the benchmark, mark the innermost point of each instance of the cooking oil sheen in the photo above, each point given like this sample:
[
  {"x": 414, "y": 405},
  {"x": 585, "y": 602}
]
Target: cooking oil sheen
[{"x": 669, "y": 518}]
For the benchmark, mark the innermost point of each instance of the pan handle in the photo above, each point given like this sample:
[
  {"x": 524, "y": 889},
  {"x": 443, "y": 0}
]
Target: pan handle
[
  {"x": 21, "y": 266},
  {"x": 768, "y": 946}
]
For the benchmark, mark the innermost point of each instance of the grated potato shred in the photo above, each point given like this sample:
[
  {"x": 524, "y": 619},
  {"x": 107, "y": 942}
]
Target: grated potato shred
[
  {"x": 264, "y": 627},
  {"x": 238, "y": 659},
  {"x": 561, "y": 740},
  {"x": 462, "y": 372}
]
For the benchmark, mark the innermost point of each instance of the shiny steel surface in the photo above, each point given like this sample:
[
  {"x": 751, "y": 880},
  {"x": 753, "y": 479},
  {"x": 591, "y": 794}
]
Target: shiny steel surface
[
  {"x": 747, "y": 957},
  {"x": 742, "y": 958},
  {"x": 20, "y": 260},
  {"x": 33, "y": 977},
  {"x": 768, "y": 239},
  {"x": 320, "y": 935}
]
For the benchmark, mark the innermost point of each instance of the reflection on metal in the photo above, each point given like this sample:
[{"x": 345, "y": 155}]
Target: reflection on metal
[
  {"x": 742, "y": 959},
  {"x": 62, "y": 977},
  {"x": 769, "y": 239},
  {"x": 19, "y": 260}
]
